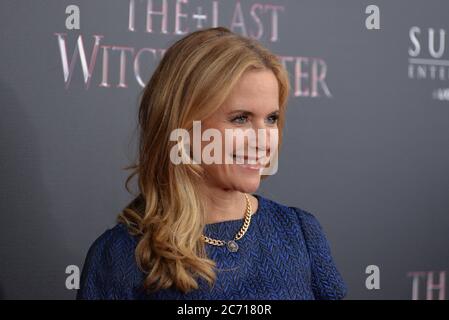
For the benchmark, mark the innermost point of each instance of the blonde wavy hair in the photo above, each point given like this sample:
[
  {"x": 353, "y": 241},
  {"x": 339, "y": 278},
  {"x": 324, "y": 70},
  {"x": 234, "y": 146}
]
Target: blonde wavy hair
[{"x": 193, "y": 79}]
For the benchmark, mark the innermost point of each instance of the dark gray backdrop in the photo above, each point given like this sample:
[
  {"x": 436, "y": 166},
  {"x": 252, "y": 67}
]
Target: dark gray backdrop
[{"x": 370, "y": 160}]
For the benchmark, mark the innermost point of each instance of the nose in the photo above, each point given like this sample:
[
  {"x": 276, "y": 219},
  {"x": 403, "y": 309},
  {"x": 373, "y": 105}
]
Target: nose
[{"x": 266, "y": 137}]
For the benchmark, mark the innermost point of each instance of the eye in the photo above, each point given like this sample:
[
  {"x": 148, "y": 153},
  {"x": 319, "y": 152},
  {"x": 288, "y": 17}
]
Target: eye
[
  {"x": 240, "y": 119},
  {"x": 273, "y": 119}
]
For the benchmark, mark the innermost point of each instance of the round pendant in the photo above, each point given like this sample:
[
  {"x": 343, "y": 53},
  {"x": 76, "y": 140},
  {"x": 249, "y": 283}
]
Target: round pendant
[{"x": 232, "y": 246}]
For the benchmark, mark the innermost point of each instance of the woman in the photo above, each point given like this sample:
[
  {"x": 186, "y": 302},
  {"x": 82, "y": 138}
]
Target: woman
[{"x": 198, "y": 230}]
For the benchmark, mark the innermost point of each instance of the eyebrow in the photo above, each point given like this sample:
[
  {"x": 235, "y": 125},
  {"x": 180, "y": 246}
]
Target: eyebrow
[{"x": 246, "y": 112}]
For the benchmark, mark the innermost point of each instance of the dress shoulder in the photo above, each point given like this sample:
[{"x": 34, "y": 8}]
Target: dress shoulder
[
  {"x": 109, "y": 270},
  {"x": 327, "y": 282}
]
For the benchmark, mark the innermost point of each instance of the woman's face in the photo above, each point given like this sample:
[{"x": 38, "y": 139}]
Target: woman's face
[{"x": 252, "y": 105}]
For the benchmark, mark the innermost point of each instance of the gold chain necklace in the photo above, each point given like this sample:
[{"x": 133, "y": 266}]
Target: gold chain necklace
[{"x": 232, "y": 244}]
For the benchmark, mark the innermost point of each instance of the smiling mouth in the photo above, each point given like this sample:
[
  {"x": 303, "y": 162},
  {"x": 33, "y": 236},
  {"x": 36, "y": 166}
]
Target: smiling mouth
[{"x": 252, "y": 163}]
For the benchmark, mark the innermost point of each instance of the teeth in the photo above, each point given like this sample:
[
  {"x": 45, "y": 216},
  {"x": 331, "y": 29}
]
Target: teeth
[{"x": 254, "y": 161}]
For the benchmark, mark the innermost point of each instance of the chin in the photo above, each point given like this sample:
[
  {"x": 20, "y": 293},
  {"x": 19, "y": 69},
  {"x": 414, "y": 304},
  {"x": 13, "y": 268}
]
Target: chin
[
  {"x": 247, "y": 186},
  {"x": 245, "y": 179}
]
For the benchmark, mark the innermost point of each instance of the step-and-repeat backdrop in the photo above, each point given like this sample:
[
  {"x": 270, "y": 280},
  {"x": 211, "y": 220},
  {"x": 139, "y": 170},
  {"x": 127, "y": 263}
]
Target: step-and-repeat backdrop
[{"x": 366, "y": 146}]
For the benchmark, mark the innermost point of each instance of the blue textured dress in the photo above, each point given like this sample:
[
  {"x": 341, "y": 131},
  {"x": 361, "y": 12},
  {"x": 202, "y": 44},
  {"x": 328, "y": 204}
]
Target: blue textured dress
[{"x": 283, "y": 255}]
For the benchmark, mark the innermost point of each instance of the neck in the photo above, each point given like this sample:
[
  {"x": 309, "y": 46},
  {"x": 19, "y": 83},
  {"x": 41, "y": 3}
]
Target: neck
[{"x": 223, "y": 205}]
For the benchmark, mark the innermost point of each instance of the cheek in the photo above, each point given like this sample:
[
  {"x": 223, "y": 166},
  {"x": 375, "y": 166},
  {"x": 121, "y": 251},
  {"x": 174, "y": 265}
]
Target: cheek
[{"x": 213, "y": 146}]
